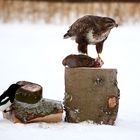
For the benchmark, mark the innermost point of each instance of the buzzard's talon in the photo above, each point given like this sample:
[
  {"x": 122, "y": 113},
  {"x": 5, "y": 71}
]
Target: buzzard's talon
[{"x": 99, "y": 62}]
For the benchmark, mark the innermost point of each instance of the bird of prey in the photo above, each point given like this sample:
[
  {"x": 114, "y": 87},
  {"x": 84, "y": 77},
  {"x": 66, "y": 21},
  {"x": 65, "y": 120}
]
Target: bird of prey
[
  {"x": 90, "y": 29},
  {"x": 8, "y": 96}
]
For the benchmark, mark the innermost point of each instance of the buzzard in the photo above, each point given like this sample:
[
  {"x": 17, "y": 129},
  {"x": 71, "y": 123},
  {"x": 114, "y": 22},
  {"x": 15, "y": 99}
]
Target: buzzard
[{"x": 90, "y": 29}]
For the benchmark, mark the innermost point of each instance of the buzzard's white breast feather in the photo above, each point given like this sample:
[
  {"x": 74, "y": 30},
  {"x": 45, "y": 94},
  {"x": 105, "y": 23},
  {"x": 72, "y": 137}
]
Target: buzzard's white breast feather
[
  {"x": 90, "y": 38},
  {"x": 95, "y": 39}
]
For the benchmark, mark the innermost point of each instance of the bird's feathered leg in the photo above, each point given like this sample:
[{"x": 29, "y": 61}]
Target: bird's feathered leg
[
  {"x": 99, "y": 48},
  {"x": 82, "y": 48},
  {"x": 82, "y": 45}
]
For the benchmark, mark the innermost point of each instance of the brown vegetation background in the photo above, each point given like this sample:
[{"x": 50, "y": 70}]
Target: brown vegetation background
[{"x": 63, "y": 12}]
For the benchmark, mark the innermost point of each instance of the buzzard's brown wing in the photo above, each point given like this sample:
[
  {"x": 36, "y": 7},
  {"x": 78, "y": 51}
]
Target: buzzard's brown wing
[{"x": 84, "y": 25}]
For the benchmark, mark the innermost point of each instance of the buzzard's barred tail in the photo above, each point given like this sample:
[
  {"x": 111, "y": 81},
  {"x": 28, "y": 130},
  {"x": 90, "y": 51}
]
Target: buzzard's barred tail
[{"x": 66, "y": 36}]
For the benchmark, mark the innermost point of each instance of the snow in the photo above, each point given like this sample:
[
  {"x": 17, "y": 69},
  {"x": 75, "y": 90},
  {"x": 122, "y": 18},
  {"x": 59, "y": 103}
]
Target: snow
[{"x": 34, "y": 52}]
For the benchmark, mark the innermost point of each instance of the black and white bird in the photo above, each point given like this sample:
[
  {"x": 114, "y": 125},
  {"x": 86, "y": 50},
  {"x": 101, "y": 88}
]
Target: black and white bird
[
  {"x": 8, "y": 96},
  {"x": 90, "y": 29}
]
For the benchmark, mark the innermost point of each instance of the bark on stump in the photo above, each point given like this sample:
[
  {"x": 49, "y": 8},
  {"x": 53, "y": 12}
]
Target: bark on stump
[
  {"x": 46, "y": 110},
  {"x": 29, "y": 106},
  {"x": 29, "y": 93},
  {"x": 91, "y": 94}
]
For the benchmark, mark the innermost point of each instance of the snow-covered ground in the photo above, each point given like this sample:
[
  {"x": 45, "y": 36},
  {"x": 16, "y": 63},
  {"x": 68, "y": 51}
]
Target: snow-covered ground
[{"x": 34, "y": 52}]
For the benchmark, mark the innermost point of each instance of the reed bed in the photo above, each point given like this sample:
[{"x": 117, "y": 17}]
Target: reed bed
[{"x": 63, "y": 12}]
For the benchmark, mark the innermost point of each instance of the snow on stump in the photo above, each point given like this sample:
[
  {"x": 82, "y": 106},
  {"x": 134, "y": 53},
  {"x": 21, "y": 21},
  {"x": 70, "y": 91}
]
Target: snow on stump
[
  {"x": 29, "y": 93},
  {"x": 46, "y": 110},
  {"x": 91, "y": 94}
]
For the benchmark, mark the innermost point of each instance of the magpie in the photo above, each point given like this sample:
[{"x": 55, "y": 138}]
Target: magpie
[{"x": 8, "y": 96}]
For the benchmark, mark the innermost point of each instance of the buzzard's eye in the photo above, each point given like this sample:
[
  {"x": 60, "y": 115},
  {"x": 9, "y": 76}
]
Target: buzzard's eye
[
  {"x": 109, "y": 24},
  {"x": 108, "y": 20}
]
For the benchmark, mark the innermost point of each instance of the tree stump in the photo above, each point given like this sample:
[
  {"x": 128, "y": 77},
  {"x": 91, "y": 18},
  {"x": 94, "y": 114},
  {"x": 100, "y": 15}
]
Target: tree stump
[
  {"x": 46, "y": 110},
  {"x": 29, "y": 93},
  {"x": 29, "y": 106},
  {"x": 91, "y": 94}
]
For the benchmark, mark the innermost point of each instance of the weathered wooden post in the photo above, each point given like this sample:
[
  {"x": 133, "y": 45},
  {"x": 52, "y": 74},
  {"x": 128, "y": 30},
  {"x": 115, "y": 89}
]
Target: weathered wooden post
[{"x": 91, "y": 94}]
